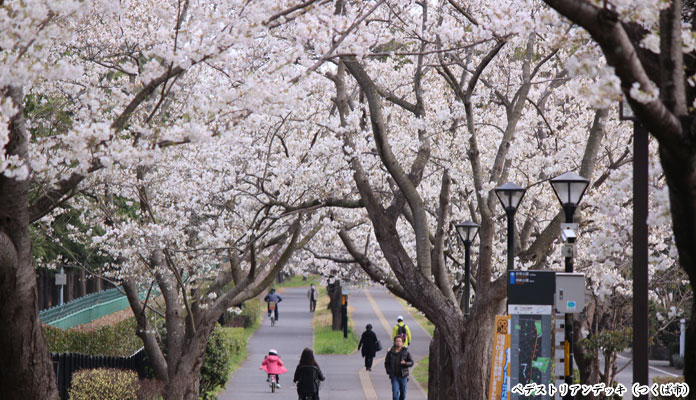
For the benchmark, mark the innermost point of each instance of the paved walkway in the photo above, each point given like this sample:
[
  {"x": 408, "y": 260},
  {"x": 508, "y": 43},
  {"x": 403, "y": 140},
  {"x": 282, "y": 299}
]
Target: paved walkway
[{"x": 346, "y": 378}]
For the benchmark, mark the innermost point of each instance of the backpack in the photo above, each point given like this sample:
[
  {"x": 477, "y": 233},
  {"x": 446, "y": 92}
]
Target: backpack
[{"x": 401, "y": 331}]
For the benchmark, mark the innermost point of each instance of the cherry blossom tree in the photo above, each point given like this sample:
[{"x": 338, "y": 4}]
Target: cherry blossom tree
[
  {"x": 649, "y": 43},
  {"x": 418, "y": 105},
  {"x": 134, "y": 79}
]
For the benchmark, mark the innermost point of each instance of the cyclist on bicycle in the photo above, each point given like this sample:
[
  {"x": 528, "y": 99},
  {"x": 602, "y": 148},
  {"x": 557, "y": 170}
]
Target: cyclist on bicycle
[
  {"x": 273, "y": 365},
  {"x": 272, "y": 297},
  {"x": 307, "y": 376}
]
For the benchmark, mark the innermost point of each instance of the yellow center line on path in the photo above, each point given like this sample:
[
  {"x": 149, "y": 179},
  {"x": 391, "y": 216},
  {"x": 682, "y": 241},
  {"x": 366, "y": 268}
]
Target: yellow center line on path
[
  {"x": 365, "y": 380},
  {"x": 375, "y": 307}
]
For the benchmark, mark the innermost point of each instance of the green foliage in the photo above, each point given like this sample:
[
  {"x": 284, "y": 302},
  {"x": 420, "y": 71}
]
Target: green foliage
[
  {"x": 247, "y": 318},
  {"x": 104, "y": 384},
  {"x": 49, "y": 114},
  {"x": 609, "y": 340},
  {"x": 110, "y": 340},
  {"x": 50, "y": 242}
]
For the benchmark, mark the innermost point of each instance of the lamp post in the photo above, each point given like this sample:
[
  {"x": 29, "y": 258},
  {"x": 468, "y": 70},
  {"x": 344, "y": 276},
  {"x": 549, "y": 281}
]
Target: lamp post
[
  {"x": 640, "y": 246},
  {"x": 569, "y": 188},
  {"x": 510, "y": 196},
  {"x": 467, "y": 231}
]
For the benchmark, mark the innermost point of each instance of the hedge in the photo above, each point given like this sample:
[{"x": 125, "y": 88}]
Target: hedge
[
  {"x": 110, "y": 340},
  {"x": 104, "y": 384}
]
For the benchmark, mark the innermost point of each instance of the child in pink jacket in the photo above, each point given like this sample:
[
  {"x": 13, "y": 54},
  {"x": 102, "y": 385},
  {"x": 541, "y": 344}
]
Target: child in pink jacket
[{"x": 273, "y": 365}]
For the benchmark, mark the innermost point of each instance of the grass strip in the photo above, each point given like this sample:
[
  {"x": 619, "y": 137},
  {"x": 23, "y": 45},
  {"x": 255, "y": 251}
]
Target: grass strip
[
  {"x": 420, "y": 373},
  {"x": 326, "y": 340},
  {"x": 298, "y": 281}
]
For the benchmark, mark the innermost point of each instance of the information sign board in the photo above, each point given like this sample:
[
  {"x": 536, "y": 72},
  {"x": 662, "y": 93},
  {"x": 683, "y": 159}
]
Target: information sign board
[{"x": 531, "y": 287}]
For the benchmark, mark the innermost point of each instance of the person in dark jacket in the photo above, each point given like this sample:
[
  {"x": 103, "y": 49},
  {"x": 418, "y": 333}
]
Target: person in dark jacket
[
  {"x": 368, "y": 342},
  {"x": 397, "y": 363},
  {"x": 307, "y": 376},
  {"x": 272, "y": 297}
]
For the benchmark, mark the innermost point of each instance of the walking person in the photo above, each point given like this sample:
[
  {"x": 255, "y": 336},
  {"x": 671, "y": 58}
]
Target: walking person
[
  {"x": 370, "y": 346},
  {"x": 272, "y": 297},
  {"x": 401, "y": 329},
  {"x": 397, "y": 363},
  {"x": 312, "y": 295},
  {"x": 307, "y": 376}
]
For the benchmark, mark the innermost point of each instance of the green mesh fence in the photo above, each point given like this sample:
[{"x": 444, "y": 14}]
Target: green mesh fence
[{"x": 86, "y": 309}]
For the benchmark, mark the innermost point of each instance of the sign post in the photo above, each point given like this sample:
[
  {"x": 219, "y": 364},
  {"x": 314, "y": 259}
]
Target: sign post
[
  {"x": 500, "y": 367},
  {"x": 530, "y": 305},
  {"x": 61, "y": 280},
  {"x": 344, "y": 313}
]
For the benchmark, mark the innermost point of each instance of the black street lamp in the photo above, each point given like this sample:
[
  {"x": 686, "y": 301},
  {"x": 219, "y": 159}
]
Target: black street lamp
[
  {"x": 569, "y": 188},
  {"x": 467, "y": 231},
  {"x": 640, "y": 246},
  {"x": 510, "y": 196}
]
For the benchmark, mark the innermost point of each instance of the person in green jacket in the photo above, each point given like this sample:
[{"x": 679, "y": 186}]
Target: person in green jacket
[{"x": 401, "y": 329}]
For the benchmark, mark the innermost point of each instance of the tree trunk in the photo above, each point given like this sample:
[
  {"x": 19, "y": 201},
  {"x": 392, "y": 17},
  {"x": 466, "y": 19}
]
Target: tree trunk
[
  {"x": 82, "y": 286},
  {"x": 26, "y": 371},
  {"x": 681, "y": 180},
  {"x": 587, "y": 363},
  {"x": 185, "y": 385},
  {"x": 440, "y": 378},
  {"x": 459, "y": 365},
  {"x": 690, "y": 351},
  {"x": 334, "y": 291}
]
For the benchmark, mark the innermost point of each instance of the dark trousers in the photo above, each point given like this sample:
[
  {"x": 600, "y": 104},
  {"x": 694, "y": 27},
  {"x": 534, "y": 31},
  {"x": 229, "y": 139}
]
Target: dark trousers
[
  {"x": 312, "y": 305},
  {"x": 368, "y": 362}
]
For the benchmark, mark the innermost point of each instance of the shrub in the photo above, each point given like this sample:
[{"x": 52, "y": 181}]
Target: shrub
[
  {"x": 677, "y": 361},
  {"x": 247, "y": 318},
  {"x": 661, "y": 380},
  {"x": 216, "y": 365},
  {"x": 112, "y": 340},
  {"x": 104, "y": 384}
]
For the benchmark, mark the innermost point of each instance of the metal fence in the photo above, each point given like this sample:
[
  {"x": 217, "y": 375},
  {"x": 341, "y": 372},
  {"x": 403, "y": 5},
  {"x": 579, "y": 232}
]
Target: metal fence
[
  {"x": 84, "y": 309},
  {"x": 65, "y": 364},
  {"x": 88, "y": 308}
]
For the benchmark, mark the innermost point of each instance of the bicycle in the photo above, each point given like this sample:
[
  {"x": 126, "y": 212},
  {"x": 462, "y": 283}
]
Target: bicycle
[
  {"x": 272, "y": 382},
  {"x": 271, "y": 310}
]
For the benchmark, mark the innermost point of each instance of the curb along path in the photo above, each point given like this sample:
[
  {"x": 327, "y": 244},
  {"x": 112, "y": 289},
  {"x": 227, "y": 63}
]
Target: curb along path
[{"x": 346, "y": 378}]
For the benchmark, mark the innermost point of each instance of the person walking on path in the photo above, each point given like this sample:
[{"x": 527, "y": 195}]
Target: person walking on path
[
  {"x": 401, "y": 329},
  {"x": 368, "y": 342},
  {"x": 397, "y": 363},
  {"x": 273, "y": 365},
  {"x": 312, "y": 295},
  {"x": 307, "y": 376},
  {"x": 272, "y": 297}
]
